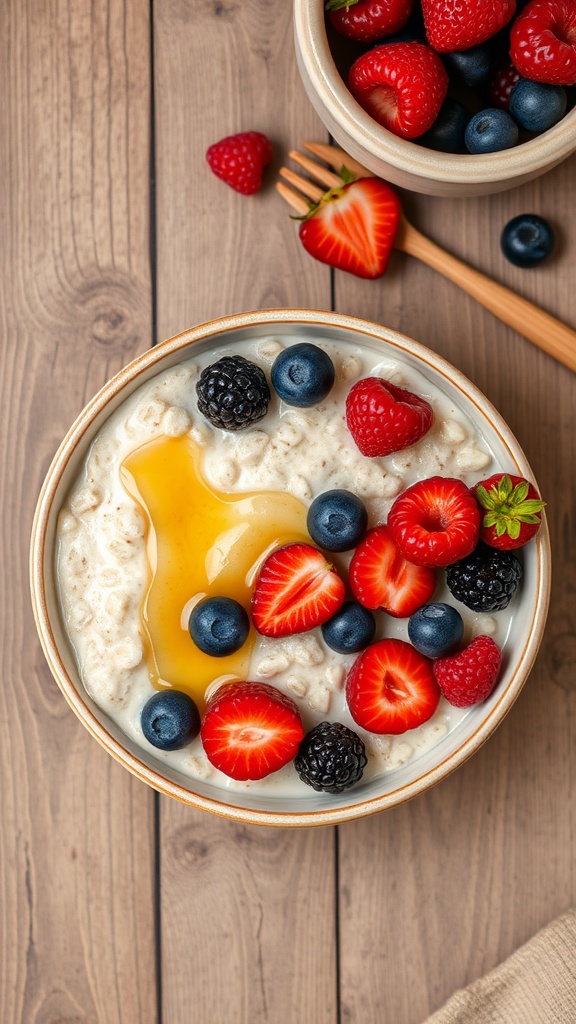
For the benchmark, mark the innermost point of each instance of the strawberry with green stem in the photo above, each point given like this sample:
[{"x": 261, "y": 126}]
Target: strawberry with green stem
[{"x": 512, "y": 510}]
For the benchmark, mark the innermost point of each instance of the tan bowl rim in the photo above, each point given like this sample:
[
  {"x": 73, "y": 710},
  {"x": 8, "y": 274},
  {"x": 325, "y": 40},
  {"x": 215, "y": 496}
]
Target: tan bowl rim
[
  {"x": 75, "y": 435},
  {"x": 545, "y": 150}
]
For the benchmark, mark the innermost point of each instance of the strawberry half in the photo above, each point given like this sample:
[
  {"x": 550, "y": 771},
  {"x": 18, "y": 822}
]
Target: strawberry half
[
  {"x": 296, "y": 590},
  {"x": 452, "y": 25},
  {"x": 380, "y": 577},
  {"x": 383, "y": 418},
  {"x": 435, "y": 521},
  {"x": 250, "y": 730},
  {"x": 391, "y": 688},
  {"x": 511, "y": 511},
  {"x": 368, "y": 20},
  {"x": 353, "y": 228}
]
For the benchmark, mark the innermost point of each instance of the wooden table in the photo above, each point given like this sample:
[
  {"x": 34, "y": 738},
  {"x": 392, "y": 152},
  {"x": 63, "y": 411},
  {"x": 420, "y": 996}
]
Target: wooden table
[{"x": 121, "y": 906}]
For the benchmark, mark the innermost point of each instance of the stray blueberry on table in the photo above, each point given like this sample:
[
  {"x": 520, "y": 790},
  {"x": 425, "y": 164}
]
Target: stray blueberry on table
[
  {"x": 331, "y": 758},
  {"x": 303, "y": 375},
  {"x": 219, "y": 626},
  {"x": 170, "y": 720},
  {"x": 435, "y": 629},
  {"x": 233, "y": 393},
  {"x": 337, "y": 520},
  {"x": 490, "y": 131},
  {"x": 527, "y": 240},
  {"x": 537, "y": 106},
  {"x": 350, "y": 630}
]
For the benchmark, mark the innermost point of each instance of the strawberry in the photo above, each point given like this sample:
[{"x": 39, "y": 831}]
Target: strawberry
[
  {"x": 383, "y": 418},
  {"x": 452, "y": 25},
  {"x": 391, "y": 688},
  {"x": 250, "y": 730},
  {"x": 470, "y": 676},
  {"x": 435, "y": 521},
  {"x": 543, "y": 42},
  {"x": 511, "y": 508},
  {"x": 380, "y": 577},
  {"x": 296, "y": 590},
  {"x": 502, "y": 84},
  {"x": 353, "y": 227},
  {"x": 368, "y": 20},
  {"x": 239, "y": 160},
  {"x": 401, "y": 85}
]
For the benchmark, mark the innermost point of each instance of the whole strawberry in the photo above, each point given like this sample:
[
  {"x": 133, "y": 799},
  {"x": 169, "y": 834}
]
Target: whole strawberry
[
  {"x": 543, "y": 42},
  {"x": 452, "y": 25},
  {"x": 512, "y": 511},
  {"x": 469, "y": 677},
  {"x": 368, "y": 20},
  {"x": 383, "y": 418},
  {"x": 401, "y": 85},
  {"x": 239, "y": 160}
]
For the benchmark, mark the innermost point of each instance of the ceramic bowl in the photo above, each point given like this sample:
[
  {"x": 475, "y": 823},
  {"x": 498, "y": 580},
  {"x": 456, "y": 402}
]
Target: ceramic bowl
[
  {"x": 370, "y": 795},
  {"x": 400, "y": 161}
]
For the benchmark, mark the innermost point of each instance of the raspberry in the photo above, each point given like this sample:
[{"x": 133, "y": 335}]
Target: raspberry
[
  {"x": 469, "y": 677},
  {"x": 239, "y": 160},
  {"x": 543, "y": 42}
]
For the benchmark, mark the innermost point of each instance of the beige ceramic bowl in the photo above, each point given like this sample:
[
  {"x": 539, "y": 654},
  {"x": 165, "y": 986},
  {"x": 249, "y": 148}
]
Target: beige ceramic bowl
[
  {"x": 527, "y": 621},
  {"x": 398, "y": 160}
]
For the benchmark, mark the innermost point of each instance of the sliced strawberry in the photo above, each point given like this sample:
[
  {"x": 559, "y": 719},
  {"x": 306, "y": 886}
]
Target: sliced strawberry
[
  {"x": 511, "y": 510},
  {"x": 380, "y": 577},
  {"x": 452, "y": 25},
  {"x": 250, "y": 730},
  {"x": 296, "y": 590},
  {"x": 391, "y": 688},
  {"x": 352, "y": 228},
  {"x": 383, "y": 418},
  {"x": 434, "y": 522},
  {"x": 368, "y": 20}
]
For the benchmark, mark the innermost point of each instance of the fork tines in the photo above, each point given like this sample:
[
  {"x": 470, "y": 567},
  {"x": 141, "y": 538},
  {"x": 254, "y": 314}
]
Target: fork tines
[{"x": 331, "y": 155}]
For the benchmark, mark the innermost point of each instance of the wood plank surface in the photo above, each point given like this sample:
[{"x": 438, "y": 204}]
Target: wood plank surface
[
  {"x": 254, "y": 908},
  {"x": 76, "y": 857}
]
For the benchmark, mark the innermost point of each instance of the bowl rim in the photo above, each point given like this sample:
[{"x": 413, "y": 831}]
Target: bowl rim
[
  {"x": 38, "y": 577},
  {"x": 523, "y": 160}
]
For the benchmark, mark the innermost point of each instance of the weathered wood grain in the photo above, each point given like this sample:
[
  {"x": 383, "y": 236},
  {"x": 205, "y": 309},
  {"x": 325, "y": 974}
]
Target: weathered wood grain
[{"x": 76, "y": 858}]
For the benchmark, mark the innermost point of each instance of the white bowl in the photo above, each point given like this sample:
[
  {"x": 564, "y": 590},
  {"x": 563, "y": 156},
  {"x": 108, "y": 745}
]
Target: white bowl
[
  {"x": 375, "y": 794},
  {"x": 398, "y": 160}
]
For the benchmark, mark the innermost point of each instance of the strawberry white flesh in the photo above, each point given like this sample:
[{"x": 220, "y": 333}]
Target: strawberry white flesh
[
  {"x": 380, "y": 577},
  {"x": 296, "y": 590},
  {"x": 391, "y": 688}
]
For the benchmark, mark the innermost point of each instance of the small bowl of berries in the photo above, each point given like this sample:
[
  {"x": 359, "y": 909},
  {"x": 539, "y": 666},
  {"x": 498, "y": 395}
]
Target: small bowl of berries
[
  {"x": 443, "y": 97},
  {"x": 290, "y": 567}
]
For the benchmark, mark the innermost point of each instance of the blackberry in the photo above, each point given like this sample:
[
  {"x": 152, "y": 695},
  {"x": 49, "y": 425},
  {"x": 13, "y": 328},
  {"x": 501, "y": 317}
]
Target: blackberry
[
  {"x": 232, "y": 393},
  {"x": 331, "y": 758},
  {"x": 486, "y": 580}
]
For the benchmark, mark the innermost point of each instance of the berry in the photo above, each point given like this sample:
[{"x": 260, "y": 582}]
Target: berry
[
  {"x": 219, "y": 626},
  {"x": 473, "y": 67},
  {"x": 350, "y": 630},
  {"x": 337, "y": 520},
  {"x": 527, "y": 240},
  {"x": 469, "y": 677},
  {"x": 434, "y": 522},
  {"x": 331, "y": 758},
  {"x": 537, "y": 106},
  {"x": 303, "y": 375},
  {"x": 170, "y": 720},
  {"x": 447, "y": 132},
  {"x": 368, "y": 20},
  {"x": 391, "y": 688},
  {"x": 435, "y": 629},
  {"x": 452, "y": 25},
  {"x": 486, "y": 580},
  {"x": 491, "y": 130},
  {"x": 543, "y": 42},
  {"x": 250, "y": 730},
  {"x": 296, "y": 590},
  {"x": 239, "y": 160},
  {"x": 511, "y": 511},
  {"x": 380, "y": 577},
  {"x": 502, "y": 84},
  {"x": 353, "y": 228},
  {"x": 232, "y": 393},
  {"x": 383, "y": 418},
  {"x": 401, "y": 85}
]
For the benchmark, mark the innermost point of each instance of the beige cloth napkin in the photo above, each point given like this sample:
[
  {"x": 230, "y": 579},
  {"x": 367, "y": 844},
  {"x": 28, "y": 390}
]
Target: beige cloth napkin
[{"x": 536, "y": 985}]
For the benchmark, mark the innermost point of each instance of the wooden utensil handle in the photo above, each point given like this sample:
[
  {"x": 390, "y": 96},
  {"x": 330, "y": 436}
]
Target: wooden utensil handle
[{"x": 532, "y": 323}]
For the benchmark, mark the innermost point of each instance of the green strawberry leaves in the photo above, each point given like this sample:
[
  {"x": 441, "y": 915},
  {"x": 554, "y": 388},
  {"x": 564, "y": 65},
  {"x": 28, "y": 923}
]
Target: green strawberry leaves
[{"x": 507, "y": 506}]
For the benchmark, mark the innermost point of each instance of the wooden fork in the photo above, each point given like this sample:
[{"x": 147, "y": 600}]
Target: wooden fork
[{"x": 532, "y": 323}]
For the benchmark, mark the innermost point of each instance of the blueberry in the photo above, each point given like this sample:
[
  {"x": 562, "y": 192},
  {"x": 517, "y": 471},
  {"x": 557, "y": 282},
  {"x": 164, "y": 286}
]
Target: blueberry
[
  {"x": 303, "y": 374},
  {"x": 350, "y": 630},
  {"x": 447, "y": 132},
  {"x": 536, "y": 106},
  {"x": 337, "y": 520},
  {"x": 219, "y": 626},
  {"x": 490, "y": 131},
  {"x": 473, "y": 67},
  {"x": 170, "y": 720},
  {"x": 435, "y": 629},
  {"x": 527, "y": 240}
]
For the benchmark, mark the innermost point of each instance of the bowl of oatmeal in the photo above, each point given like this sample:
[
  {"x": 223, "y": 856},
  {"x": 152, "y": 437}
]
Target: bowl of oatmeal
[{"x": 149, "y": 510}]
